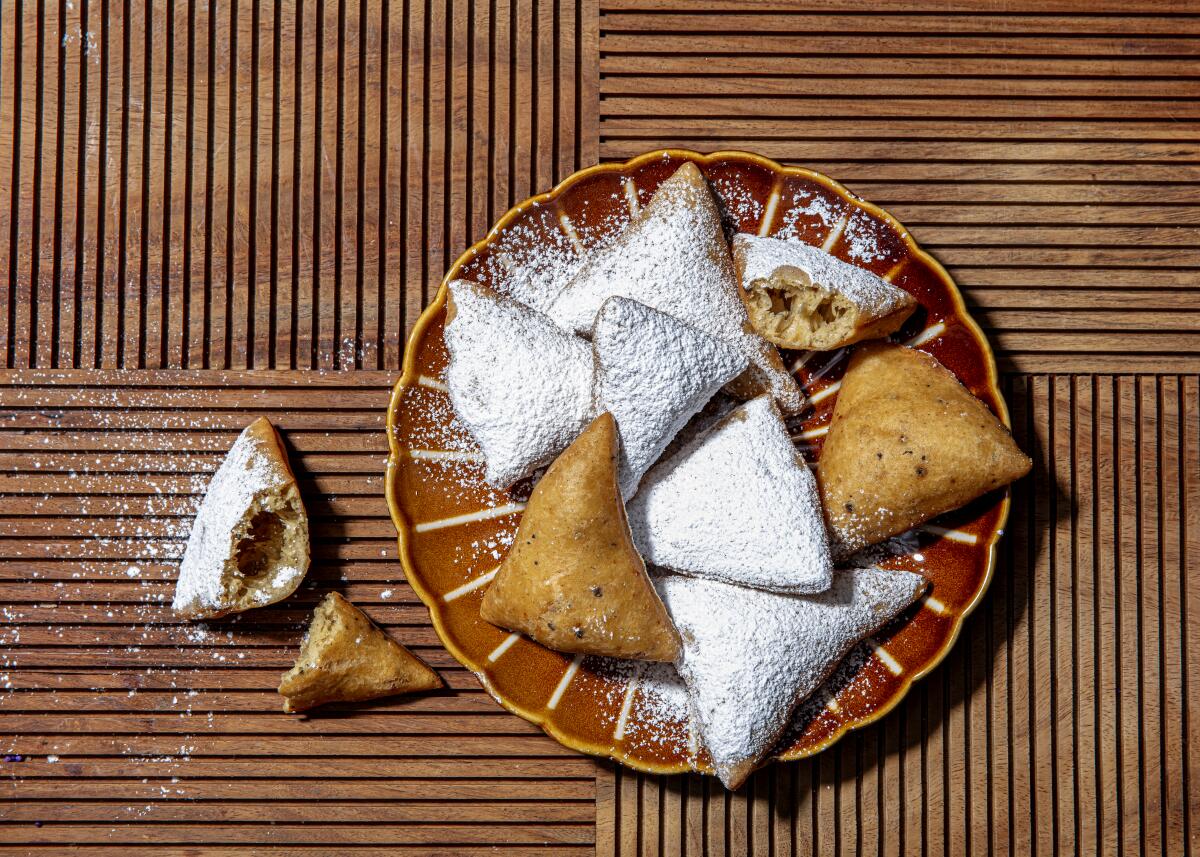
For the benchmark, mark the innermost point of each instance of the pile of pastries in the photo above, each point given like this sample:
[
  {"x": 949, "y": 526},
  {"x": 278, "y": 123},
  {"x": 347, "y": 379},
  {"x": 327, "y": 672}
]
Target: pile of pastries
[{"x": 672, "y": 518}]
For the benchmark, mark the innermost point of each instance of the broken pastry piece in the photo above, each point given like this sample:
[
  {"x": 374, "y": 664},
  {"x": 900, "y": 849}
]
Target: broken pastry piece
[
  {"x": 345, "y": 657},
  {"x": 736, "y": 504},
  {"x": 750, "y": 657},
  {"x": 249, "y": 543},
  {"x": 907, "y": 442},
  {"x": 522, "y": 386},
  {"x": 572, "y": 579},
  {"x": 656, "y": 372},
  {"x": 799, "y": 296},
  {"x": 672, "y": 256}
]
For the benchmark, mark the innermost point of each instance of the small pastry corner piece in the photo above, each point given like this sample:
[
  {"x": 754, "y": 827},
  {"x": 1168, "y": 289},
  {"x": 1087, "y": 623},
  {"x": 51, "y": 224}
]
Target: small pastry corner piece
[
  {"x": 249, "y": 543},
  {"x": 345, "y": 657},
  {"x": 907, "y": 442},
  {"x": 799, "y": 296},
  {"x": 573, "y": 580}
]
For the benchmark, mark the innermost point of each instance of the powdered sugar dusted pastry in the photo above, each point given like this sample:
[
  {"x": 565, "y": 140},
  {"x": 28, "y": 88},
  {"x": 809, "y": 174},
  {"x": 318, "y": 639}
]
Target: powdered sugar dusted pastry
[
  {"x": 737, "y": 504},
  {"x": 799, "y": 296},
  {"x": 655, "y": 373},
  {"x": 750, "y": 657},
  {"x": 522, "y": 386},
  {"x": 672, "y": 256},
  {"x": 249, "y": 542}
]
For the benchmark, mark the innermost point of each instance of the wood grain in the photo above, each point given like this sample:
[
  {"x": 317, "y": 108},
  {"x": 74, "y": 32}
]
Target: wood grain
[{"x": 210, "y": 211}]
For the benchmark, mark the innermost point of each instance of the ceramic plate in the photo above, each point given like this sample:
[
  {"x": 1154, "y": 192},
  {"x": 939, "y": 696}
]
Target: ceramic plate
[{"x": 454, "y": 530}]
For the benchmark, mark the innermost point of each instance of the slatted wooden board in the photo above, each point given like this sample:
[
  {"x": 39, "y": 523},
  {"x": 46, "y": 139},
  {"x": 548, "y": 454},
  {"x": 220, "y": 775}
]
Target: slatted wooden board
[{"x": 213, "y": 210}]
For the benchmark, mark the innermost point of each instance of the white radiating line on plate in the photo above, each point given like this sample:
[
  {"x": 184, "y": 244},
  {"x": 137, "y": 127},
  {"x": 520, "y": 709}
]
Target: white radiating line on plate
[
  {"x": 693, "y": 740},
  {"x": 569, "y": 228},
  {"x": 822, "y": 395},
  {"x": 432, "y": 383},
  {"x": 832, "y": 704},
  {"x": 934, "y": 605},
  {"x": 470, "y": 586},
  {"x": 627, "y": 704},
  {"x": 445, "y": 455},
  {"x": 564, "y": 682},
  {"x": 833, "y": 236},
  {"x": 631, "y": 198},
  {"x": 891, "y": 275},
  {"x": 481, "y": 515},
  {"x": 952, "y": 535},
  {"x": 804, "y": 357},
  {"x": 819, "y": 431},
  {"x": 890, "y": 662},
  {"x": 931, "y": 332},
  {"x": 503, "y": 647},
  {"x": 764, "y": 228},
  {"x": 824, "y": 370}
]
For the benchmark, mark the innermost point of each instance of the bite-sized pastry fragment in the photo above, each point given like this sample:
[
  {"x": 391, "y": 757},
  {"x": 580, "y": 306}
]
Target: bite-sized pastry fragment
[
  {"x": 656, "y": 372},
  {"x": 672, "y": 256},
  {"x": 572, "y": 579},
  {"x": 345, "y": 657},
  {"x": 737, "y": 504},
  {"x": 249, "y": 543},
  {"x": 799, "y": 296},
  {"x": 750, "y": 657},
  {"x": 522, "y": 386},
  {"x": 907, "y": 442}
]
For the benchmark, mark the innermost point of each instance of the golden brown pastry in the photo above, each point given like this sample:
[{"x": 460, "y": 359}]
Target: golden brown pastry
[
  {"x": 907, "y": 442},
  {"x": 799, "y": 296},
  {"x": 249, "y": 543},
  {"x": 345, "y": 657},
  {"x": 573, "y": 580}
]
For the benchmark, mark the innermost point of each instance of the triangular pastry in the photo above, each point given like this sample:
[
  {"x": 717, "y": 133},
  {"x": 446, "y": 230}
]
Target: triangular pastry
[
  {"x": 656, "y": 372},
  {"x": 799, "y": 296},
  {"x": 737, "y": 504},
  {"x": 249, "y": 543},
  {"x": 672, "y": 256},
  {"x": 907, "y": 442},
  {"x": 522, "y": 386},
  {"x": 750, "y": 657},
  {"x": 572, "y": 579},
  {"x": 345, "y": 657}
]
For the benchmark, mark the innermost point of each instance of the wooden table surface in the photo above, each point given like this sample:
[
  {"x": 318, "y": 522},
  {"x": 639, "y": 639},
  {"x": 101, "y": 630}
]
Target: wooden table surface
[{"x": 213, "y": 209}]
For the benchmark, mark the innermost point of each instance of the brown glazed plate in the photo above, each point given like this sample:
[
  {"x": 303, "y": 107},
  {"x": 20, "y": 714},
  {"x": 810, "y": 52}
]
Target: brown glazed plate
[{"x": 453, "y": 529}]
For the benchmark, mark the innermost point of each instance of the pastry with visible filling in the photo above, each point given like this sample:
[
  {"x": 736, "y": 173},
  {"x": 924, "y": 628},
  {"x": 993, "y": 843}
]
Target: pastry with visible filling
[
  {"x": 799, "y": 296},
  {"x": 672, "y": 256},
  {"x": 655, "y": 373},
  {"x": 249, "y": 543},
  {"x": 907, "y": 442},
  {"x": 750, "y": 657},
  {"x": 345, "y": 657},
  {"x": 736, "y": 504},
  {"x": 522, "y": 386},
  {"x": 572, "y": 579}
]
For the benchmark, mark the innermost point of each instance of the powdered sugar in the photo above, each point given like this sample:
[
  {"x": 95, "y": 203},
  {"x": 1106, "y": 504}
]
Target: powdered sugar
[
  {"x": 533, "y": 261},
  {"x": 247, "y": 474},
  {"x": 874, "y": 297},
  {"x": 655, "y": 373},
  {"x": 749, "y": 657},
  {"x": 737, "y": 504},
  {"x": 673, "y": 257},
  {"x": 521, "y": 385}
]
